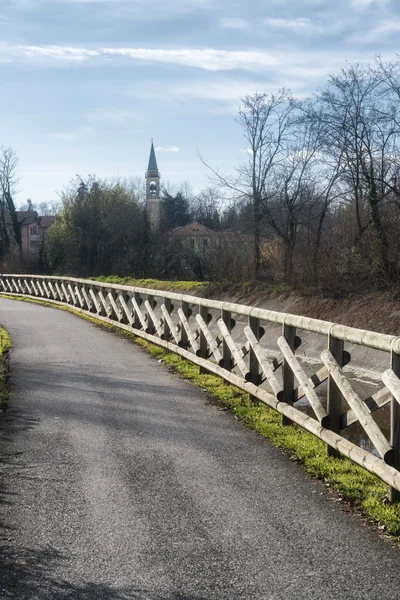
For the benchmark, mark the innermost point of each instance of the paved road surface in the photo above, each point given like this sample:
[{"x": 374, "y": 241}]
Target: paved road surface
[{"x": 121, "y": 482}]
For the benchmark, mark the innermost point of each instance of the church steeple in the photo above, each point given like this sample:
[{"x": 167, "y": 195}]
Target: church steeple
[
  {"x": 152, "y": 160},
  {"x": 153, "y": 177}
]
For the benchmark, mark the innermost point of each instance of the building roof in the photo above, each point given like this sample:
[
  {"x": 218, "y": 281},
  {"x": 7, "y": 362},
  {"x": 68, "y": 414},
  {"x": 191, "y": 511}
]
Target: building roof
[
  {"x": 26, "y": 216},
  {"x": 46, "y": 220},
  {"x": 152, "y": 160},
  {"x": 29, "y": 217},
  {"x": 194, "y": 229}
]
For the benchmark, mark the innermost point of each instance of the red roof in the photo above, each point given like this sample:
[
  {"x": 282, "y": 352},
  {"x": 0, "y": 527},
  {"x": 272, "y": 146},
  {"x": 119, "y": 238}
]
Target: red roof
[
  {"x": 47, "y": 220},
  {"x": 194, "y": 229}
]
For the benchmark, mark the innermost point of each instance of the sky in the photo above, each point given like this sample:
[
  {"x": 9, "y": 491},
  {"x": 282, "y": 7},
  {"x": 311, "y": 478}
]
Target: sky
[{"x": 86, "y": 84}]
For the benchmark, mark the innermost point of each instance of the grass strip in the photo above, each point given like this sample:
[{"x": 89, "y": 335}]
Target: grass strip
[
  {"x": 362, "y": 490},
  {"x": 156, "y": 284},
  {"x": 5, "y": 346}
]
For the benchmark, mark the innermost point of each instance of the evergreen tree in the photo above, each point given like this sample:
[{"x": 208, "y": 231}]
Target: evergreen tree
[
  {"x": 175, "y": 211},
  {"x": 99, "y": 231}
]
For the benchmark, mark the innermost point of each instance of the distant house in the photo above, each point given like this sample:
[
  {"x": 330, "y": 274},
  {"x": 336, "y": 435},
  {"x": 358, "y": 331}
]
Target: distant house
[
  {"x": 33, "y": 229},
  {"x": 195, "y": 236},
  {"x": 203, "y": 253},
  {"x": 199, "y": 238}
]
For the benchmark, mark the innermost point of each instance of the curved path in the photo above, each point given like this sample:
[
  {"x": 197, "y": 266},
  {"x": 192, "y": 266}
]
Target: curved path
[{"x": 119, "y": 481}]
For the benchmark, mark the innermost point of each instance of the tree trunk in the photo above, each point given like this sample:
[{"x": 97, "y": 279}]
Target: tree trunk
[
  {"x": 381, "y": 263},
  {"x": 5, "y": 238},
  {"x": 257, "y": 236},
  {"x": 17, "y": 229},
  {"x": 317, "y": 247},
  {"x": 290, "y": 243},
  {"x": 288, "y": 260}
]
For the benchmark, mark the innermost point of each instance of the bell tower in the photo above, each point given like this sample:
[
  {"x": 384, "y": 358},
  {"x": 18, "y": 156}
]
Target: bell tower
[{"x": 153, "y": 191}]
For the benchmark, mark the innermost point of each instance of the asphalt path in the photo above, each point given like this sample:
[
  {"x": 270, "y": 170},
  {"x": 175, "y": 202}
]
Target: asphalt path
[{"x": 119, "y": 480}]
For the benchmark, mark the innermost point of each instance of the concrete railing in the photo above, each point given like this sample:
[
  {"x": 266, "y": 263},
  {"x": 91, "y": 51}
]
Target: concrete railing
[{"x": 228, "y": 340}]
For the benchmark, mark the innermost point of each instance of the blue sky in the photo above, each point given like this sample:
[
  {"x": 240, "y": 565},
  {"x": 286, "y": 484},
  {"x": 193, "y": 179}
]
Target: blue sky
[{"x": 85, "y": 84}]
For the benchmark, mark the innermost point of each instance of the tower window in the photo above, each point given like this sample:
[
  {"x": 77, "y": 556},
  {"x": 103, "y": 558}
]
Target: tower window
[{"x": 153, "y": 188}]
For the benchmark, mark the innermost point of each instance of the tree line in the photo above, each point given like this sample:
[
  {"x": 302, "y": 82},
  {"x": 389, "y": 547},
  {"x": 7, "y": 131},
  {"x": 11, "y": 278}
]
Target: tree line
[
  {"x": 102, "y": 229},
  {"x": 316, "y": 202},
  {"x": 323, "y": 178}
]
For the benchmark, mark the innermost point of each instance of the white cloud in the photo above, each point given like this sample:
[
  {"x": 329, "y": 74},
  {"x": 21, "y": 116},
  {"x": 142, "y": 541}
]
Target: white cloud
[
  {"x": 160, "y": 9},
  {"x": 144, "y": 3},
  {"x": 293, "y": 24},
  {"x": 168, "y": 149},
  {"x": 366, "y": 3},
  {"x": 277, "y": 64},
  {"x": 61, "y": 53},
  {"x": 212, "y": 97},
  {"x": 381, "y": 31},
  {"x": 209, "y": 59},
  {"x": 302, "y": 72},
  {"x": 226, "y": 91},
  {"x": 234, "y": 23}
]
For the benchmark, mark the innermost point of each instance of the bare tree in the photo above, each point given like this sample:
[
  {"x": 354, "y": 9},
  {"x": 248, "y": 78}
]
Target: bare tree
[
  {"x": 50, "y": 207},
  {"x": 289, "y": 198},
  {"x": 362, "y": 131},
  {"x": 137, "y": 186},
  {"x": 206, "y": 207},
  {"x": 266, "y": 120},
  {"x": 323, "y": 172},
  {"x": 8, "y": 183}
]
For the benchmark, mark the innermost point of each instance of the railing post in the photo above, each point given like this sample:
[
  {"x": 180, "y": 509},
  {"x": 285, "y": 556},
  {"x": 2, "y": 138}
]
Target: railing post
[
  {"x": 227, "y": 359},
  {"x": 139, "y": 301},
  {"x": 168, "y": 306},
  {"x": 183, "y": 343},
  {"x": 113, "y": 314},
  {"x": 334, "y": 395},
  {"x": 150, "y": 325},
  {"x": 289, "y": 333},
  {"x": 124, "y": 318},
  {"x": 35, "y": 288},
  {"x": 254, "y": 365},
  {"x": 203, "y": 345},
  {"x": 83, "y": 292},
  {"x": 395, "y": 427},
  {"x": 101, "y": 311}
]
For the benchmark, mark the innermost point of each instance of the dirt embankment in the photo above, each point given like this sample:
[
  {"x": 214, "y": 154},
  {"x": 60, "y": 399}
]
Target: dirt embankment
[{"x": 376, "y": 311}]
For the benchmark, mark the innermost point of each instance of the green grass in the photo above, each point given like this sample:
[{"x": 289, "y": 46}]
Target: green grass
[
  {"x": 156, "y": 284},
  {"x": 5, "y": 346},
  {"x": 5, "y": 342},
  {"x": 352, "y": 484}
]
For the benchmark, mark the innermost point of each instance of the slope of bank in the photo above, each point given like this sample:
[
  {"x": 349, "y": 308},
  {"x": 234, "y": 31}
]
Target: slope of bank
[
  {"x": 376, "y": 311},
  {"x": 5, "y": 345}
]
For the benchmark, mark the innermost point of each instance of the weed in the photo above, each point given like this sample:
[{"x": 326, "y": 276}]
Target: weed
[
  {"x": 156, "y": 284},
  {"x": 5, "y": 346}
]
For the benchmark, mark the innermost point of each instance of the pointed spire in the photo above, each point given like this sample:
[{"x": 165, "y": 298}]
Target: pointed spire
[{"x": 152, "y": 160}]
